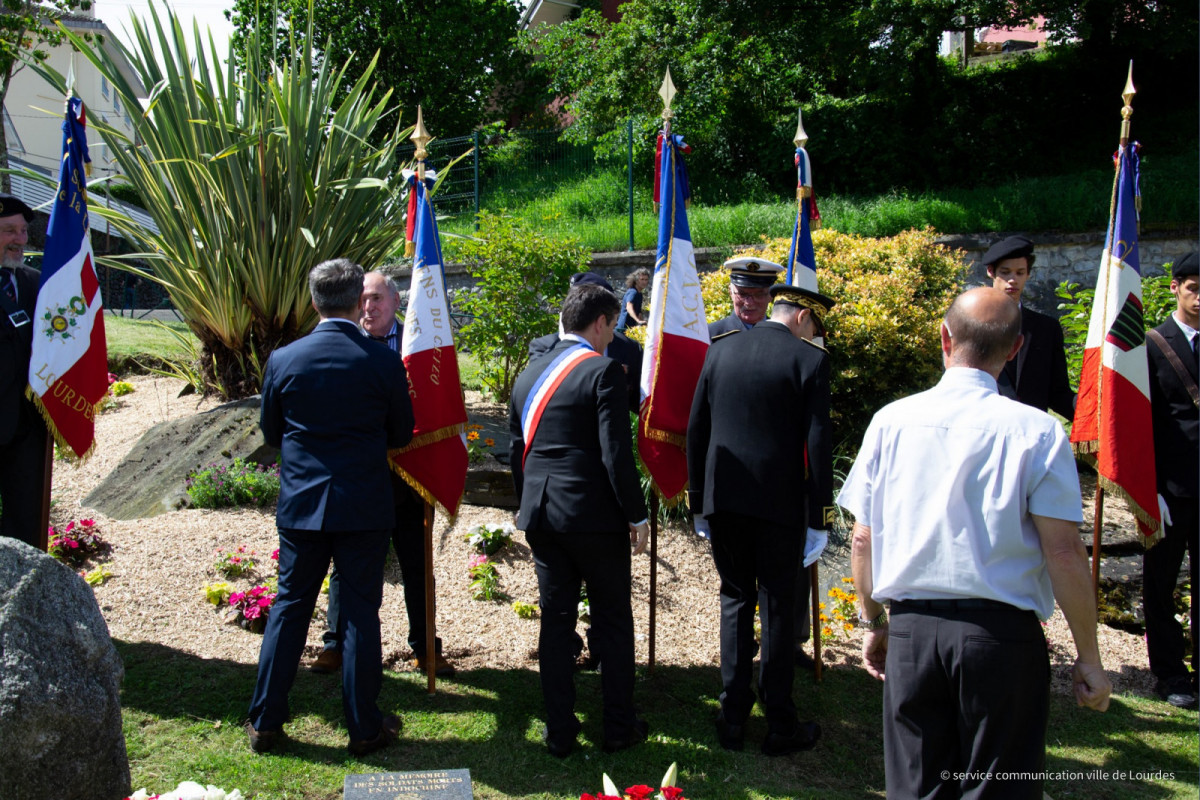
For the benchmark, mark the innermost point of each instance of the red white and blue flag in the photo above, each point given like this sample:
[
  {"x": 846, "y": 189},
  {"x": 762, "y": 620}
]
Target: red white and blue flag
[
  {"x": 68, "y": 368},
  {"x": 802, "y": 261},
  {"x": 434, "y": 463},
  {"x": 676, "y": 335},
  {"x": 1112, "y": 424}
]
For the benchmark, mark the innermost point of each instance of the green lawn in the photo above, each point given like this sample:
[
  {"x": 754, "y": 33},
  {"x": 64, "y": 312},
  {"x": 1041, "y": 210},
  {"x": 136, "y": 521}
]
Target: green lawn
[
  {"x": 134, "y": 345},
  {"x": 183, "y": 714}
]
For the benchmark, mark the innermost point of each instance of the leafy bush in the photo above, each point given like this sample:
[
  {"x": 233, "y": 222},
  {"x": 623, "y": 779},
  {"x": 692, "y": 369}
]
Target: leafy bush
[
  {"x": 883, "y": 339},
  {"x": 485, "y": 580},
  {"x": 235, "y": 563},
  {"x": 121, "y": 388},
  {"x": 522, "y": 275},
  {"x": 217, "y": 592},
  {"x": 77, "y": 542},
  {"x": 524, "y": 610},
  {"x": 1076, "y": 305},
  {"x": 238, "y": 483}
]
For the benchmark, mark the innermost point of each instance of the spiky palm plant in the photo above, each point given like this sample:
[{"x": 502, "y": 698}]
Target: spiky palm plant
[{"x": 251, "y": 179}]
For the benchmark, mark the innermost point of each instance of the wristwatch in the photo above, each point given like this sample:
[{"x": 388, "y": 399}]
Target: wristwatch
[{"x": 876, "y": 623}]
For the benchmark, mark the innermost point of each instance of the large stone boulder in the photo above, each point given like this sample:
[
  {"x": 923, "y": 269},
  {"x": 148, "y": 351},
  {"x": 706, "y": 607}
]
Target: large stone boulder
[{"x": 60, "y": 684}]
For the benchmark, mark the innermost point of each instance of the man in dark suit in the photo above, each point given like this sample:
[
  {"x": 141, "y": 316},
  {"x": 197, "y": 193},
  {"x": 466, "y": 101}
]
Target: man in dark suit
[
  {"x": 750, "y": 281},
  {"x": 1038, "y": 375},
  {"x": 22, "y": 431},
  {"x": 1172, "y": 352},
  {"x": 622, "y": 349},
  {"x": 572, "y": 465},
  {"x": 741, "y": 448},
  {"x": 333, "y": 402},
  {"x": 381, "y": 301}
]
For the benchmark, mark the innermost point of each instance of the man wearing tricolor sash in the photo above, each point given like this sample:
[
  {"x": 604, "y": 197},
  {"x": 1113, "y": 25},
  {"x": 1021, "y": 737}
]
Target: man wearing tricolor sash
[{"x": 575, "y": 478}]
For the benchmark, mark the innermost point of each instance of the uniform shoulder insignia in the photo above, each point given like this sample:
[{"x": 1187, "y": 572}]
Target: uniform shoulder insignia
[
  {"x": 814, "y": 344},
  {"x": 725, "y": 335}
]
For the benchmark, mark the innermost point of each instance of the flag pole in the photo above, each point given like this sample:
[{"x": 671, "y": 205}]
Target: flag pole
[
  {"x": 421, "y": 136},
  {"x": 667, "y": 92},
  {"x": 1125, "y": 139}
]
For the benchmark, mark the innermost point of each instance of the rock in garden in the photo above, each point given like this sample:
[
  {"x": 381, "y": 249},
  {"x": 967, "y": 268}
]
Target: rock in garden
[{"x": 60, "y": 683}]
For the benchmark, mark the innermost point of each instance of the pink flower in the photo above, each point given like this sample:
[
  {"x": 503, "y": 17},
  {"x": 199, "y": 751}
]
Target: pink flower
[
  {"x": 87, "y": 523},
  {"x": 275, "y": 554},
  {"x": 236, "y": 597},
  {"x": 265, "y": 602},
  {"x": 251, "y": 612},
  {"x": 70, "y": 527},
  {"x": 477, "y": 561}
]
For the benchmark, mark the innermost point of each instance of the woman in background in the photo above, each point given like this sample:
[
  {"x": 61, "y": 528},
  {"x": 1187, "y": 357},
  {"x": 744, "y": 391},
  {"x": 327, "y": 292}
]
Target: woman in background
[{"x": 631, "y": 304}]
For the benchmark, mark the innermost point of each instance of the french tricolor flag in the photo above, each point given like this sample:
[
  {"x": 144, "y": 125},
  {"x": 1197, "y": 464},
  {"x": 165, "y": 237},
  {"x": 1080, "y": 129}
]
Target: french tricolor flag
[
  {"x": 434, "y": 463},
  {"x": 676, "y": 336},
  {"x": 68, "y": 368},
  {"x": 1112, "y": 426}
]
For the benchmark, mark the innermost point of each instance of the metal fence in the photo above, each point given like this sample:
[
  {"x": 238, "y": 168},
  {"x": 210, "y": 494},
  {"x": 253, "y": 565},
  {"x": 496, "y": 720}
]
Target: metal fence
[{"x": 492, "y": 172}]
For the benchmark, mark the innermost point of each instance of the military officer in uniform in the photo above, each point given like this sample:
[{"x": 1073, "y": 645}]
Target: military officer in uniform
[
  {"x": 1038, "y": 375},
  {"x": 741, "y": 447},
  {"x": 750, "y": 282}
]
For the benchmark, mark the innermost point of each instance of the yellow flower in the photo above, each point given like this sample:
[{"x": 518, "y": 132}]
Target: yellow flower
[
  {"x": 489, "y": 442},
  {"x": 472, "y": 436},
  {"x": 827, "y": 631}
]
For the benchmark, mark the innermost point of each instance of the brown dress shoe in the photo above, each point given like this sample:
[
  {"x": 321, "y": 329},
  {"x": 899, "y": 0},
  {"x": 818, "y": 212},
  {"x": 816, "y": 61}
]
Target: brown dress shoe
[
  {"x": 328, "y": 663},
  {"x": 389, "y": 729},
  {"x": 262, "y": 741},
  {"x": 441, "y": 667}
]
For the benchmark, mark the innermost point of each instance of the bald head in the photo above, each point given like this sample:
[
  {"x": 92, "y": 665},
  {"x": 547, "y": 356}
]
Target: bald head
[{"x": 982, "y": 330}]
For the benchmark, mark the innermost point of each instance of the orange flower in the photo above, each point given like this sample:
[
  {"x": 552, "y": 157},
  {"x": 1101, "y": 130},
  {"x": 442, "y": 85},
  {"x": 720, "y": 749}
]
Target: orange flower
[
  {"x": 472, "y": 436},
  {"x": 489, "y": 442}
]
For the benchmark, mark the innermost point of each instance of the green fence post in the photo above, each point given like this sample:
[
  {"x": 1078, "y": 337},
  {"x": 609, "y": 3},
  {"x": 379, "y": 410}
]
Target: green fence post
[
  {"x": 629, "y": 173},
  {"x": 476, "y": 137}
]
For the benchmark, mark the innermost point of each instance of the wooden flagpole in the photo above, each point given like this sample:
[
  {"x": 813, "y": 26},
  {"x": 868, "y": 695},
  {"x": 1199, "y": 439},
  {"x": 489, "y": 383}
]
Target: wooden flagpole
[{"x": 653, "y": 578}]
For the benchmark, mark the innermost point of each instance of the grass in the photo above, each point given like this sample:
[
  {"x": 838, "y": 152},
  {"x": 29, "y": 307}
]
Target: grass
[
  {"x": 183, "y": 713},
  {"x": 137, "y": 344},
  {"x": 1075, "y": 202}
]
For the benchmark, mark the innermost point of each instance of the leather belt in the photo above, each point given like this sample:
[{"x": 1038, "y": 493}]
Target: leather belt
[{"x": 963, "y": 604}]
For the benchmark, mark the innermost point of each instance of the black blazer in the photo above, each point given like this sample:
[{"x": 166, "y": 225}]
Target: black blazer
[
  {"x": 763, "y": 395},
  {"x": 17, "y": 414},
  {"x": 622, "y": 349},
  {"x": 579, "y": 476},
  {"x": 333, "y": 402},
  {"x": 1176, "y": 419},
  {"x": 725, "y": 325},
  {"x": 1039, "y": 371}
]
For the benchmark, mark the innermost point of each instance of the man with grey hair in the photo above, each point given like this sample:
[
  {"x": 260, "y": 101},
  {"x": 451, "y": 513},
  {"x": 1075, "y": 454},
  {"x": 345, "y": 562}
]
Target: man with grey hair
[
  {"x": 966, "y": 507},
  {"x": 333, "y": 402},
  {"x": 22, "y": 431}
]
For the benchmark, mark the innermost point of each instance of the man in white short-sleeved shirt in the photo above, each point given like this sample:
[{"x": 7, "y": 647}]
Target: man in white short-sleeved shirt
[{"x": 966, "y": 509}]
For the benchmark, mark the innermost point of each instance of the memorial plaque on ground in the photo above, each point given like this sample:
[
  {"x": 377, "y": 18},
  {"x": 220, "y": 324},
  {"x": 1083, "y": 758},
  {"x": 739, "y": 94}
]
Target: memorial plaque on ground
[{"x": 432, "y": 784}]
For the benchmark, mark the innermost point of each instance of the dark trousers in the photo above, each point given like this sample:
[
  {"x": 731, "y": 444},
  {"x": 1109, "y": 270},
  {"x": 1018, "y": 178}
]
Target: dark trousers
[
  {"x": 757, "y": 564},
  {"x": 408, "y": 538},
  {"x": 563, "y": 562},
  {"x": 1160, "y": 575},
  {"x": 303, "y": 561},
  {"x": 967, "y": 691},
  {"x": 22, "y": 470}
]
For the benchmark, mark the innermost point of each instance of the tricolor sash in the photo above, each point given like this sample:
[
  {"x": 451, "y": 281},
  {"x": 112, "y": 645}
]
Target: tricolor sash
[{"x": 545, "y": 387}]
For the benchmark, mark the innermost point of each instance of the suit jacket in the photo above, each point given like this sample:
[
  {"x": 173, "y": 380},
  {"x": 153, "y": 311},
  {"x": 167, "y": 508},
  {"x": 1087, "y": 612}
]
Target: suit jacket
[
  {"x": 333, "y": 402},
  {"x": 1176, "y": 419},
  {"x": 579, "y": 476},
  {"x": 762, "y": 396},
  {"x": 1038, "y": 374},
  {"x": 622, "y": 349},
  {"x": 725, "y": 325},
  {"x": 17, "y": 414}
]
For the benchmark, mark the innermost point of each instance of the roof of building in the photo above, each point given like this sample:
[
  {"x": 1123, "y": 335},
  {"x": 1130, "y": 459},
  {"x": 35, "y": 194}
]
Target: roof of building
[{"x": 39, "y": 197}]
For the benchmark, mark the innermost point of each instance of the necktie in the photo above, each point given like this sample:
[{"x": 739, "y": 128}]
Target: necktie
[
  {"x": 6, "y": 283},
  {"x": 1196, "y": 351}
]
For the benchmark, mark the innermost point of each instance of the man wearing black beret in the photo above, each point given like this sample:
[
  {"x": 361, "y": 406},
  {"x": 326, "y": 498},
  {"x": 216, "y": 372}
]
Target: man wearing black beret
[
  {"x": 1038, "y": 375},
  {"x": 1171, "y": 351},
  {"x": 22, "y": 431}
]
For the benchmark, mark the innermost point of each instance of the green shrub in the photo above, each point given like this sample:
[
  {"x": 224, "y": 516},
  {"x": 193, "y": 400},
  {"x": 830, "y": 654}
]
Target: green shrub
[
  {"x": 236, "y": 484},
  {"x": 522, "y": 274},
  {"x": 1076, "y": 305},
  {"x": 883, "y": 339}
]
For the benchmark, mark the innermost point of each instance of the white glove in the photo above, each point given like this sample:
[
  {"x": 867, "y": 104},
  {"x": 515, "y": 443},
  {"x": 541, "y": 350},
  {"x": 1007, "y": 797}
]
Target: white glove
[
  {"x": 1164, "y": 512},
  {"x": 814, "y": 545},
  {"x": 700, "y": 524}
]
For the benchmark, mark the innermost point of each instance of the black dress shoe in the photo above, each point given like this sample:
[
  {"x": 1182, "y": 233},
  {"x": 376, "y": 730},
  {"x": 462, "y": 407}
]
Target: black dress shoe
[
  {"x": 558, "y": 746},
  {"x": 263, "y": 741},
  {"x": 1178, "y": 691},
  {"x": 636, "y": 735},
  {"x": 731, "y": 737},
  {"x": 803, "y": 737},
  {"x": 389, "y": 729},
  {"x": 804, "y": 660}
]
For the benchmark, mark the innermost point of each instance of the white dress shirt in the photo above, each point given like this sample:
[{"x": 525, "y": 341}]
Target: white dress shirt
[{"x": 947, "y": 480}]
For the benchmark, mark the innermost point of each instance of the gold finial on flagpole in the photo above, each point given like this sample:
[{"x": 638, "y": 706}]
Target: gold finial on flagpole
[
  {"x": 1127, "y": 110},
  {"x": 422, "y": 138},
  {"x": 667, "y": 91},
  {"x": 801, "y": 137}
]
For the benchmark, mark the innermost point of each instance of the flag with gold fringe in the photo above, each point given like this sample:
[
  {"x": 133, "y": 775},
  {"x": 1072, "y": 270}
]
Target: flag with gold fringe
[
  {"x": 434, "y": 463},
  {"x": 1112, "y": 427},
  {"x": 68, "y": 368}
]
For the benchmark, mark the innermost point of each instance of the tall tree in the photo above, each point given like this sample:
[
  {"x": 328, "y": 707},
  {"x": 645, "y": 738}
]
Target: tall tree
[
  {"x": 457, "y": 58},
  {"x": 27, "y": 30}
]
